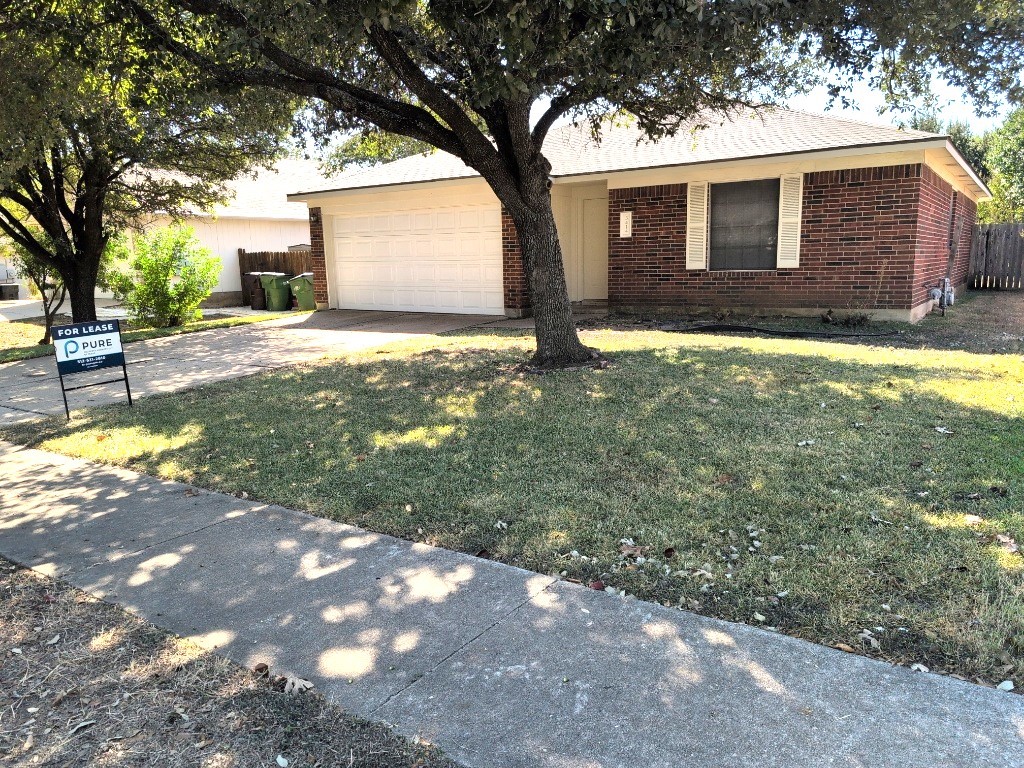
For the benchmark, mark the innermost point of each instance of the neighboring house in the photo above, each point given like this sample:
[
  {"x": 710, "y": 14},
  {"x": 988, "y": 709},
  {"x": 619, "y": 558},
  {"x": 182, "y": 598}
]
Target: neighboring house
[
  {"x": 258, "y": 217},
  {"x": 779, "y": 211}
]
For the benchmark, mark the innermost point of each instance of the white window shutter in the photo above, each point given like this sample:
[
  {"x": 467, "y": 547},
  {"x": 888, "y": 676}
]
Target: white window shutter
[
  {"x": 791, "y": 195},
  {"x": 697, "y": 225}
]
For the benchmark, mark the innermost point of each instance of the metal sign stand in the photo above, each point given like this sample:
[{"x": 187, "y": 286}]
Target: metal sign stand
[
  {"x": 64, "y": 390},
  {"x": 78, "y": 332}
]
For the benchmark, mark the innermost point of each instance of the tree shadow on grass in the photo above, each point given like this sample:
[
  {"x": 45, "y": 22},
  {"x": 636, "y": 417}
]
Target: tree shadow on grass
[{"x": 813, "y": 490}]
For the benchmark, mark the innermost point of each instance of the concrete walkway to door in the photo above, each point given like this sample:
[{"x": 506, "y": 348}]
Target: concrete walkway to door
[
  {"x": 30, "y": 389},
  {"x": 502, "y": 668}
]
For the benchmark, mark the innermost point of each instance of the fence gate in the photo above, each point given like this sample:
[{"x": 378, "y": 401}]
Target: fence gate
[
  {"x": 997, "y": 257},
  {"x": 289, "y": 262}
]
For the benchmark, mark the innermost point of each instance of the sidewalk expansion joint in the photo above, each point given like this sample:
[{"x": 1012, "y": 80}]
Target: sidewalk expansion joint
[{"x": 514, "y": 609}]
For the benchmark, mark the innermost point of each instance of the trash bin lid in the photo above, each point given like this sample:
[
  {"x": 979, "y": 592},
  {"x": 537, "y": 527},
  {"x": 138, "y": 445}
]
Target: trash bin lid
[{"x": 303, "y": 276}]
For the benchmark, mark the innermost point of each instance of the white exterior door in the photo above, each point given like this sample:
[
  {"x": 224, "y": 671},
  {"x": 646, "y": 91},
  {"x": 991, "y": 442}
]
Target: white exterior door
[{"x": 441, "y": 259}]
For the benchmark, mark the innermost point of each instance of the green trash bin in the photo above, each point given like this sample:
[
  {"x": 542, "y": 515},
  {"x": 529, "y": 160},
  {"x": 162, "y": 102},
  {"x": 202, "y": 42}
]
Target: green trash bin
[
  {"x": 276, "y": 285},
  {"x": 302, "y": 290}
]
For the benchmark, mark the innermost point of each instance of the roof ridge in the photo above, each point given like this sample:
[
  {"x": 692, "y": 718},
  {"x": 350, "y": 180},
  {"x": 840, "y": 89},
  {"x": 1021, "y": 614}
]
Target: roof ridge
[{"x": 866, "y": 123}]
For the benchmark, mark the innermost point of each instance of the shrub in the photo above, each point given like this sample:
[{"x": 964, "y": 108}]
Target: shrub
[{"x": 169, "y": 276}]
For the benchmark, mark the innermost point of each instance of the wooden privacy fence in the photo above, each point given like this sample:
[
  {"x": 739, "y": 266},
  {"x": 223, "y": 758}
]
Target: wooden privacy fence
[
  {"x": 997, "y": 256},
  {"x": 289, "y": 262}
]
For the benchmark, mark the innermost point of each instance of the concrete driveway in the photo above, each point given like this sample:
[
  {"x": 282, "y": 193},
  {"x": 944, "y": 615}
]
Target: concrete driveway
[{"x": 30, "y": 389}]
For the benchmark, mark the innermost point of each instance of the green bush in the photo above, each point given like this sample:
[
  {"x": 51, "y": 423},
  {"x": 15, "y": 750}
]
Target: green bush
[{"x": 169, "y": 275}]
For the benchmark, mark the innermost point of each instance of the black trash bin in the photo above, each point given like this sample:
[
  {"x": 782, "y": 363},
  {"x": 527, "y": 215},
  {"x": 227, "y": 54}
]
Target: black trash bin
[{"x": 257, "y": 296}]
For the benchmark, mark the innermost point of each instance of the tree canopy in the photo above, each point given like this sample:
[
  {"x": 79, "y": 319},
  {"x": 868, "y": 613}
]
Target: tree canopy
[
  {"x": 1006, "y": 159},
  {"x": 100, "y": 132},
  {"x": 371, "y": 146},
  {"x": 465, "y": 75}
]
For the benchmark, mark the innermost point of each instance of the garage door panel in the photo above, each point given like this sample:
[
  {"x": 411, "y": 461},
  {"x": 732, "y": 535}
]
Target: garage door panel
[{"x": 443, "y": 260}]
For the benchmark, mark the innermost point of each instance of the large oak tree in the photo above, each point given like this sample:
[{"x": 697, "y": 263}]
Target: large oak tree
[
  {"x": 98, "y": 133},
  {"x": 465, "y": 76}
]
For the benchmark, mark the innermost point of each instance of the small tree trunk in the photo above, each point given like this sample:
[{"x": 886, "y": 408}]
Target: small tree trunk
[
  {"x": 558, "y": 344},
  {"x": 50, "y": 309}
]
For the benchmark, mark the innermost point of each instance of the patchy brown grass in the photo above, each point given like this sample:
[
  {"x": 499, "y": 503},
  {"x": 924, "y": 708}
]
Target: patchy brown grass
[
  {"x": 83, "y": 683},
  {"x": 986, "y": 322}
]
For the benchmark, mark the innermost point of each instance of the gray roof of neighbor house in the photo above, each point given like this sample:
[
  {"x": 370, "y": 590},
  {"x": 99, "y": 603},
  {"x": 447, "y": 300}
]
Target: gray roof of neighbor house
[
  {"x": 572, "y": 151},
  {"x": 265, "y": 195}
]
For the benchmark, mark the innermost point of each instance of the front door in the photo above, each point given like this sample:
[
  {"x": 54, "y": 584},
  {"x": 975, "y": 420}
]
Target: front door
[{"x": 595, "y": 248}]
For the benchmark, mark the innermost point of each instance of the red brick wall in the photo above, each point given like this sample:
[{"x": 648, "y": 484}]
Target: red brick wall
[
  {"x": 857, "y": 248},
  {"x": 936, "y": 227},
  {"x": 514, "y": 275},
  {"x": 316, "y": 242},
  {"x": 967, "y": 212}
]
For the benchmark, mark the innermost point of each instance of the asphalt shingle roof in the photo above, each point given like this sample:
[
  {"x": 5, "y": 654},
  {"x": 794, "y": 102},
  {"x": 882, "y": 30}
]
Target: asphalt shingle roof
[
  {"x": 265, "y": 196},
  {"x": 572, "y": 150}
]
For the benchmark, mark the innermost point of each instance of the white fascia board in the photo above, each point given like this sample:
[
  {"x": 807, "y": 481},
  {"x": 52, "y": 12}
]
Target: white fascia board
[{"x": 314, "y": 199}]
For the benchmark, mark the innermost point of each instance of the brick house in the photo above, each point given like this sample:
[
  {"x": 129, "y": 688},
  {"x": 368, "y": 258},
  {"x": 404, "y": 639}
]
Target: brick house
[{"x": 781, "y": 211}]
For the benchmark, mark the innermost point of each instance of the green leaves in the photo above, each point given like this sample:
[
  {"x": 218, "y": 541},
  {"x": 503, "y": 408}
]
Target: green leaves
[{"x": 166, "y": 278}]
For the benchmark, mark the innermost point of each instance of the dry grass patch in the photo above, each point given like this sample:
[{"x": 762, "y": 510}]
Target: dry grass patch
[{"x": 83, "y": 683}]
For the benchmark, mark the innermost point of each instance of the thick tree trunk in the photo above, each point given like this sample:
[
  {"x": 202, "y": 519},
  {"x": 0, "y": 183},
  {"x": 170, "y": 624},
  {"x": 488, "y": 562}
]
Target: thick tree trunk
[
  {"x": 81, "y": 287},
  {"x": 558, "y": 344}
]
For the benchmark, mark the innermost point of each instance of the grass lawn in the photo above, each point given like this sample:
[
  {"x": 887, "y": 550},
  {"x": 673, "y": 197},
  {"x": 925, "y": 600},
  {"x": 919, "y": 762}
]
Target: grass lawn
[
  {"x": 20, "y": 340},
  {"x": 85, "y": 683},
  {"x": 866, "y": 497}
]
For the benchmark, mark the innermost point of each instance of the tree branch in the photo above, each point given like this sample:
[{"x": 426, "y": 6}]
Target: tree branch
[
  {"x": 301, "y": 78},
  {"x": 19, "y": 233}
]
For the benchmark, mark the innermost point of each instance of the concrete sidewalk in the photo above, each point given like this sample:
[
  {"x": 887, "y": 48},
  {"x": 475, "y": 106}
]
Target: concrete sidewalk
[
  {"x": 500, "y": 667},
  {"x": 30, "y": 390}
]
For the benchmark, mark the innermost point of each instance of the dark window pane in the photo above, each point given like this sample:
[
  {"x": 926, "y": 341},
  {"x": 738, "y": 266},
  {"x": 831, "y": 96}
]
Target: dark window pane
[{"x": 744, "y": 224}]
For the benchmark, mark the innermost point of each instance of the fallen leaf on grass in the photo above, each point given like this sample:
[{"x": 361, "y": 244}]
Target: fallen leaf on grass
[
  {"x": 868, "y": 637},
  {"x": 101, "y": 438},
  {"x": 844, "y": 647},
  {"x": 973, "y": 520},
  {"x": 53, "y": 640},
  {"x": 919, "y": 668},
  {"x": 80, "y": 726},
  {"x": 632, "y": 550},
  {"x": 597, "y": 584},
  {"x": 296, "y": 685},
  {"x": 1007, "y": 543},
  {"x": 944, "y": 430}
]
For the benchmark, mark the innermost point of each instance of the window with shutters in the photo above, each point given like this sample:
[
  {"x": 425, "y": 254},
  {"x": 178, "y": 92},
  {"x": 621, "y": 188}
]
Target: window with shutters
[{"x": 744, "y": 225}]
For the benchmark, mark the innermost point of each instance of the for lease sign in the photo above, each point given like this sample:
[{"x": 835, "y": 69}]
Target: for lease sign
[{"x": 88, "y": 346}]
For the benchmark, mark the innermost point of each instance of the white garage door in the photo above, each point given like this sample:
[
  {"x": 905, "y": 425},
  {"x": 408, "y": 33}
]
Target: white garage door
[{"x": 426, "y": 260}]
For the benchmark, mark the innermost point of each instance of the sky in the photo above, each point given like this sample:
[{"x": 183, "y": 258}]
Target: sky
[{"x": 952, "y": 105}]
